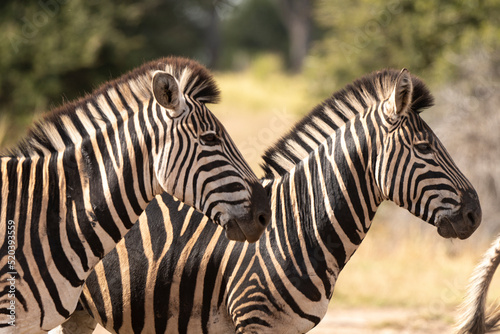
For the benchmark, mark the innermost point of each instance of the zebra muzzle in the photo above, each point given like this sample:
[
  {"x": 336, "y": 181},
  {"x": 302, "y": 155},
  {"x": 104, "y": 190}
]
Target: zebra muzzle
[
  {"x": 464, "y": 222},
  {"x": 246, "y": 221}
]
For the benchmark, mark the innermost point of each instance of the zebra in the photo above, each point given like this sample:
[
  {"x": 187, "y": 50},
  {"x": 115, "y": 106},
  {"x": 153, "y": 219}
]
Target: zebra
[
  {"x": 84, "y": 173},
  {"x": 473, "y": 319},
  {"x": 325, "y": 180}
]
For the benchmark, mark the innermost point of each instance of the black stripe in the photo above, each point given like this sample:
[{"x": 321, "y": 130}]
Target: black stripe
[
  {"x": 75, "y": 191},
  {"x": 138, "y": 277},
  {"x": 128, "y": 177},
  {"x": 110, "y": 131},
  {"x": 12, "y": 194},
  {"x": 303, "y": 282},
  {"x": 337, "y": 200},
  {"x": 230, "y": 272},
  {"x": 139, "y": 158},
  {"x": 73, "y": 185},
  {"x": 36, "y": 248},
  {"x": 359, "y": 192},
  {"x": 188, "y": 279},
  {"x": 180, "y": 165},
  {"x": 315, "y": 253},
  {"x": 285, "y": 294},
  {"x": 98, "y": 202},
  {"x": 211, "y": 275},
  {"x": 113, "y": 185},
  {"x": 189, "y": 166},
  {"x": 96, "y": 296},
  {"x": 110, "y": 102},
  {"x": 57, "y": 252},
  {"x": 35, "y": 217},
  {"x": 395, "y": 175},
  {"x": 215, "y": 178},
  {"x": 112, "y": 270}
]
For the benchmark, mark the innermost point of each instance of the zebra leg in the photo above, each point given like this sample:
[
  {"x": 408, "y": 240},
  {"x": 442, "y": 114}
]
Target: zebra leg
[{"x": 80, "y": 322}]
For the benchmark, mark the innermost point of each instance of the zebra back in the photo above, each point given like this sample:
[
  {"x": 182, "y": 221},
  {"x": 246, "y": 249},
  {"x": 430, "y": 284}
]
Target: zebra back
[{"x": 130, "y": 89}]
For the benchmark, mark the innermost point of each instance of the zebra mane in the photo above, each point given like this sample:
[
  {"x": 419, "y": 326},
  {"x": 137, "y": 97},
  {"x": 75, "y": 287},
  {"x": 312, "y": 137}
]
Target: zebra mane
[
  {"x": 47, "y": 133},
  {"x": 333, "y": 113}
]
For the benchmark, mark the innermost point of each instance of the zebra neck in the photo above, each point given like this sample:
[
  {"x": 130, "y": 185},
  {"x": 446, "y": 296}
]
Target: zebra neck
[
  {"x": 69, "y": 206},
  {"x": 329, "y": 200}
]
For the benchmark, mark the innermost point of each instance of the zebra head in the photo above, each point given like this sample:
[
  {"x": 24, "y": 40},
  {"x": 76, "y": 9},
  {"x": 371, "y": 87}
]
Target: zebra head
[
  {"x": 413, "y": 168},
  {"x": 196, "y": 160}
]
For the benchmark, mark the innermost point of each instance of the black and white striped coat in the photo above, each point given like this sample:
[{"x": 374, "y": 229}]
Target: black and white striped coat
[
  {"x": 83, "y": 175},
  {"x": 325, "y": 181}
]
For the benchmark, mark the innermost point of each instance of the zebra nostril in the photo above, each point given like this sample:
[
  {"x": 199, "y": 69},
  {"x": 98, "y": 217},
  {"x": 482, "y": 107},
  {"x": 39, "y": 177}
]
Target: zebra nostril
[
  {"x": 263, "y": 220},
  {"x": 471, "y": 217},
  {"x": 217, "y": 218},
  {"x": 472, "y": 209},
  {"x": 261, "y": 210}
]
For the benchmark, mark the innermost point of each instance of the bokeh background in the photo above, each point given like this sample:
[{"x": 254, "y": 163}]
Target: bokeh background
[{"x": 274, "y": 61}]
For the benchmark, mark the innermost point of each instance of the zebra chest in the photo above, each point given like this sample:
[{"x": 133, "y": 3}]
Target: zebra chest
[{"x": 277, "y": 305}]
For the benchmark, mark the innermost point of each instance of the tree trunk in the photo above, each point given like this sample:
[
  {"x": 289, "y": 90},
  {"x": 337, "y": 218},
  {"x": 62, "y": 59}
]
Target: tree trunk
[
  {"x": 213, "y": 37},
  {"x": 296, "y": 15}
]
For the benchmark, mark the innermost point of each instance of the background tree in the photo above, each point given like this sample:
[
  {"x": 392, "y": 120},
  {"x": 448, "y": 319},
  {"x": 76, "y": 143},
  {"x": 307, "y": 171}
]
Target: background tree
[
  {"x": 253, "y": 27},
  {"x": 365, "y": 35},
  {"x": 53, "y": 47},
  {"x": 296, "y": 15},
  {"x": 48, "y": 47}
]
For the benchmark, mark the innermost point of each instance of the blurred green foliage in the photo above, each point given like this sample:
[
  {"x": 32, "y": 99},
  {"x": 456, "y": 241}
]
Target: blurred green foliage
[
  {"x": 365, "y": 35},
  {"x": 253, "y": 28},
  {"x": 52, "y": 47},
  {"x": 56, "y": 50}
]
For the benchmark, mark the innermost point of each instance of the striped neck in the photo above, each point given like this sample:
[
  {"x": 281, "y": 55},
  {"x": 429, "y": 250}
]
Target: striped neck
[
  {"x": 91, "y": 190},
  {"x": 83, "y": 168},
  {"x": 333, "y": 193}
]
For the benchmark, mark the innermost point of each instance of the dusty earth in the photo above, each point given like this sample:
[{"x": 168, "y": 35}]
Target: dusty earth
[
  {"x": 376, "y": 321},
  {"x": 381, "y": 321}
]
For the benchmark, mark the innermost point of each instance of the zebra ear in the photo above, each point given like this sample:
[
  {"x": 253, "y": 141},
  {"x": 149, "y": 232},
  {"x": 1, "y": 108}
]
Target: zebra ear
[
  {"x": 167, "y": 93},
  {"x": 402, "y": 93}
]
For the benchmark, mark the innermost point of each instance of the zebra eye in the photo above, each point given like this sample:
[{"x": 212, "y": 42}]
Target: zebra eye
[
  {"x": 210, "y": 139},
  {"x": 423, "y": 148}
]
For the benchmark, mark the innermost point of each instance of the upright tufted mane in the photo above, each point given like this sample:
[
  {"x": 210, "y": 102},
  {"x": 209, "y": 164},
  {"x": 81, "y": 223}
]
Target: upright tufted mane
[{"x": 333, "y": 113}]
